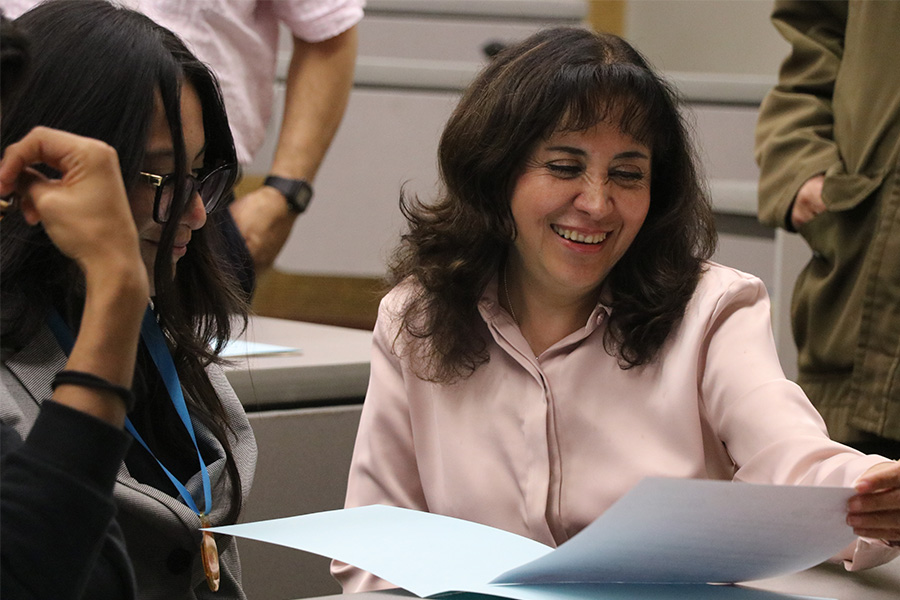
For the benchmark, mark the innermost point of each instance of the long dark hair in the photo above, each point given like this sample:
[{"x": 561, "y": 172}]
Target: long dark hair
[
  {"x": 13, "y": 57},
  {"x": 558, "y": 79},
  {"x": 95, "y": 71}
]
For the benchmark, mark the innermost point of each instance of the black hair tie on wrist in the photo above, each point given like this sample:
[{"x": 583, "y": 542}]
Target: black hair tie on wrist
[{"x": 89, "y": 380}]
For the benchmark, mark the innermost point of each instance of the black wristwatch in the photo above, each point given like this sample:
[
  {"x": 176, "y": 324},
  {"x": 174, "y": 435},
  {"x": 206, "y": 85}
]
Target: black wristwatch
[{"x": 297, "y": 192}]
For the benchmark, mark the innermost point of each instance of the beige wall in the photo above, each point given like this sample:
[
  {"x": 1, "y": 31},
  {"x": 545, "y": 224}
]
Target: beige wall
[{"x": 712, "y": 36}]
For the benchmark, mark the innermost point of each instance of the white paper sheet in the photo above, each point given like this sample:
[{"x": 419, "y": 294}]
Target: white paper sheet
[
  {"x": 691, "y": 531},
  {"x": 664, "y": 530},
  {"x": 243, "y": 348},
  {"x": 625, "y": 591}
]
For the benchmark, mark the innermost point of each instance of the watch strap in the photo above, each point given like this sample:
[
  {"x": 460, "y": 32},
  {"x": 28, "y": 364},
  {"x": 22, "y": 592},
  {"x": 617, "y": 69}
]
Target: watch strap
[{"x": 297, "y": 192}]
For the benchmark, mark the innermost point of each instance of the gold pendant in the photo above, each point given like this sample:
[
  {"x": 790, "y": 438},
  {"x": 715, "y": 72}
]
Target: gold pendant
[{"x": 210, "y": 556}]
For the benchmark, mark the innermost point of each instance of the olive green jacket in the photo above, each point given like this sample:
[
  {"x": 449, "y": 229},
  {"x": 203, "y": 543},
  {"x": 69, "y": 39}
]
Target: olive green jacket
[{"x": 836, "y": 110}]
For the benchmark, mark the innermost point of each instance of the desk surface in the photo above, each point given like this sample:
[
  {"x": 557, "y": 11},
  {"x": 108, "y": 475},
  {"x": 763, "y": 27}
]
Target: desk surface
[
  {"x": 832, "y": 581},
  {"x": 331, "y": 363},
  {"x": 824, "y": 581}
]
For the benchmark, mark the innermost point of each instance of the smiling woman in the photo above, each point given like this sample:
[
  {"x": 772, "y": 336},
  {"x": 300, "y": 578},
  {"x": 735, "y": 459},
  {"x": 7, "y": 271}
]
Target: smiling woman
[
  {"x": 556, "y": 331},
  {"x": 527, "y": 103},
  {"x": 132, "y": 85},
  {"x": 578, "y": 205}
]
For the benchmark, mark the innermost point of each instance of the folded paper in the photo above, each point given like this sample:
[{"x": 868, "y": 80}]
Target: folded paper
[{"x": 666, "y": 539}]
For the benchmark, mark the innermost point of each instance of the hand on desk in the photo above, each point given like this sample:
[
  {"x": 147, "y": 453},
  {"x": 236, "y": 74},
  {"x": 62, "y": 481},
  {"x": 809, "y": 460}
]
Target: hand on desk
[{"x": 875, "y": 511}]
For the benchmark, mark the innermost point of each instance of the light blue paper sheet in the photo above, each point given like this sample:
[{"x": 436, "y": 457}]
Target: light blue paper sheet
[
  {"x": 420, "y": 552},
  {"x": 664, "y": 530}
]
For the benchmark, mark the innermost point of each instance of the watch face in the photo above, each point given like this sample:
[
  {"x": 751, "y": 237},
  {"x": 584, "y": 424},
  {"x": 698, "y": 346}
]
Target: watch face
[
  {"x": 304, "y": 194},
  {"x": 297, "y": 192}
]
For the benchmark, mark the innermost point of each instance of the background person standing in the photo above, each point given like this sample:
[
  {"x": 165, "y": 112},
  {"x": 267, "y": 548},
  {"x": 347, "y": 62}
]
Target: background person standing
[
  {"x": 828, "y": 147},
  {"x": 238, "y": 39}
]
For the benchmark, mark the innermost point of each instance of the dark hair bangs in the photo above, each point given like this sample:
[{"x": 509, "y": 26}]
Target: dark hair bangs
[{"x": 625, "y": 95}]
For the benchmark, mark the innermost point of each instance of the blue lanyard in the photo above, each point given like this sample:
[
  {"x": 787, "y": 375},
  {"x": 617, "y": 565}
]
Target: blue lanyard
[{"x": 156, "y": 344}]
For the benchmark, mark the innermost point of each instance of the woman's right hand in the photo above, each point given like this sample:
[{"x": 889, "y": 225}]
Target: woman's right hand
[
  {"x": 86, "y": 212},
  {"x": 87, "y": 216}
]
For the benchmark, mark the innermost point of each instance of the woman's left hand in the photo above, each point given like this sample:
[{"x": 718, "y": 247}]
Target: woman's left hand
[{"x": 874, "y": 512}]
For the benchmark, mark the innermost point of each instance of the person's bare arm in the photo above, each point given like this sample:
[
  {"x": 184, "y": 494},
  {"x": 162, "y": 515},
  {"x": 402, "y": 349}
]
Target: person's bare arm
[{"x": 318, "y": 86}]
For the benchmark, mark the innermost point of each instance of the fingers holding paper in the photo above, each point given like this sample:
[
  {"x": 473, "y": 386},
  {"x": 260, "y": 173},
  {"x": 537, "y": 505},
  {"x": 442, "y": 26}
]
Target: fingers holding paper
[{"x": 875, "y": 511}]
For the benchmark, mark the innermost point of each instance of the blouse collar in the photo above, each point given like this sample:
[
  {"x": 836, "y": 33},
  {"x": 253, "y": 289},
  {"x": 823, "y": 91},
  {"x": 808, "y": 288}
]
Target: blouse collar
[{"x": 495, "y": 315}]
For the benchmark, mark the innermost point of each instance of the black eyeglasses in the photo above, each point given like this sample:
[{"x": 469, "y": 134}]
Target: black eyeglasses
[{"x": 212, "y": 187}]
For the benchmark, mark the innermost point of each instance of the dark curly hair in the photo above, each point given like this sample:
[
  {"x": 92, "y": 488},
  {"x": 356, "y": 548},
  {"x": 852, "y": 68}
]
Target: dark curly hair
[
  {"x": 95, "y": 69},
  {"x": 560, "y": 79}
]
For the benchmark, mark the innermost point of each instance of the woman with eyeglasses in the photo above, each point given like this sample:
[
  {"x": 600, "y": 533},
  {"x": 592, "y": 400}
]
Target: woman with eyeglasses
[{"x": 111, "y": 74}]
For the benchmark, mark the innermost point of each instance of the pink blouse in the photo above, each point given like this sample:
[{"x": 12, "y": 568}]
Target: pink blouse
[{"x": 541, "y": 446}]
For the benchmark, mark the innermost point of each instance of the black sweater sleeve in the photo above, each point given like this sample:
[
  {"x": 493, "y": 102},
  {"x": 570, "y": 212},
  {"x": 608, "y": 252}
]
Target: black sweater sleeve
[{"x": 59, "y": 536}]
